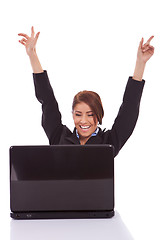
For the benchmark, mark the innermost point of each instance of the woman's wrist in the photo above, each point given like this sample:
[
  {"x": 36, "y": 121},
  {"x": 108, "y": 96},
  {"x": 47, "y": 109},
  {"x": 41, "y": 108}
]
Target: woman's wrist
[
  {"x": 35, "y": 63},
  {"x": 32, "y": 53},
  {"x": 139, "y": 70}
]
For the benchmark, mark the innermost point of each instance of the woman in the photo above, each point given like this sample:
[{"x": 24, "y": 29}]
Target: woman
[{"x": 87, "y": 107}]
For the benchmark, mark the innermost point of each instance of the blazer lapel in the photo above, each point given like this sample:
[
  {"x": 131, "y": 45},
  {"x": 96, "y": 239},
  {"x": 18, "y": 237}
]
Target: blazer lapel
[{"x": 73, "y": 138}]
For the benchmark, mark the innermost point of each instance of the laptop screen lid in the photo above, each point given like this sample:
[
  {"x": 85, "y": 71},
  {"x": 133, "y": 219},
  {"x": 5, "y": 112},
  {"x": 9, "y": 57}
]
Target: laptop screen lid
[{"x": 65, "y": 178}]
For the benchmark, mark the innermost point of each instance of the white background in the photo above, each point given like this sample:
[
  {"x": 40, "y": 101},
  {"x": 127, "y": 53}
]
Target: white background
[{"x": 88, "y": 45}]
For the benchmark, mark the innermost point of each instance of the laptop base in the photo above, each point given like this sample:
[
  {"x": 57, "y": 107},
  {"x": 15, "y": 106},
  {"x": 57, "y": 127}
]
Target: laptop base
[{"x": 62, "y": 215}]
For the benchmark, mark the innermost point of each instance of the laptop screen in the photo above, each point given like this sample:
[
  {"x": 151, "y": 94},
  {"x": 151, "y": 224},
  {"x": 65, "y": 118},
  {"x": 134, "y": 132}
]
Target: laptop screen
[{"x": 61, "y": 178}]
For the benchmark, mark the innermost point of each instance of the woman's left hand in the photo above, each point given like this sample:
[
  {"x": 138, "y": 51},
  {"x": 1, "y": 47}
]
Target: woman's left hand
[{"x": 145, "y": 51}]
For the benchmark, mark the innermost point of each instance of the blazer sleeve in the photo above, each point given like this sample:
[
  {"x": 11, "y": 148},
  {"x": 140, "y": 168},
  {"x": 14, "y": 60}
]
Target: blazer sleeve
[
  {"x": 128, "y": 114},
  {"x": 51, "y": 116}
]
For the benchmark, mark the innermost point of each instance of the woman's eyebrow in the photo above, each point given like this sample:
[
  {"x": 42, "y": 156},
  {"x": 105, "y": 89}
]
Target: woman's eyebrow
[
  {"x": 81, "y": 112},
  {"x": 86, "y": 112},
  {"x": 78, "y": 111}
]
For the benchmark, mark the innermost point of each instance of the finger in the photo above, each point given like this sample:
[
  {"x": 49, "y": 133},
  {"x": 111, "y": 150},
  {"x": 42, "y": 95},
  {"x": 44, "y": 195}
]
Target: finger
[
  {"x": 148, "y": 42},
  {"x": 151, "y": 51},
  {"x": 145, "y": 46},
  {"x": 150, "y": 39},
  {"x": 141, "y": 43},
  {"x": 23, "y": 35},
  {"x": 22, "y": 42},
  {"x": 36, "y": 37},
  {"x": 142, "y": 40},
  {"x": 32, "y": 32},
  {"x": 144, "y": 49},
  {"x": 149, "y": 48}
]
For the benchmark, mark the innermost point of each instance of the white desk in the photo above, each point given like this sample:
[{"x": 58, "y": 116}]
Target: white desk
[{"x": 77, "y": 229}]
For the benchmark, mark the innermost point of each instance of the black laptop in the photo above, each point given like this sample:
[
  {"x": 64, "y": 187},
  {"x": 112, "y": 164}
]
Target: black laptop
[{"x": 61, "y": 181}]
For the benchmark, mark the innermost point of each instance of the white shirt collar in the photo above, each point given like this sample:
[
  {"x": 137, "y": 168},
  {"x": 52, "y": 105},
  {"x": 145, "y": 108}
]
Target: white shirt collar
[{"x": 93, "y": 134}]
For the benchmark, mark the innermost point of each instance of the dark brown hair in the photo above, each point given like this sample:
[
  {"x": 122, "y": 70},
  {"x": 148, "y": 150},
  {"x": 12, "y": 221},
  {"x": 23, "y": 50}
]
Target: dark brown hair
[{"x": 93, "y": 100}]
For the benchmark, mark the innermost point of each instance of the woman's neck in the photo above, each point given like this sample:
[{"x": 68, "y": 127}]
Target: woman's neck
[{"x": 83, "y": 140}]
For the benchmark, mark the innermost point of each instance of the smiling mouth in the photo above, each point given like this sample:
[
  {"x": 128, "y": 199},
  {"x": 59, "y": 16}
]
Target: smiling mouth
[{"x": 85, "y": 127}]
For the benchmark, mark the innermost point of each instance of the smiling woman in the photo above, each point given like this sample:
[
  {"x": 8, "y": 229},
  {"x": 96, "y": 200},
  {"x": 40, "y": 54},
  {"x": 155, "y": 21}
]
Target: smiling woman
[
  {"x": 87, "y": 113},
  {"x": 87, "y": 106},
  {"x": 85, "y": 121},
  {"x": 93, "y": 100}
]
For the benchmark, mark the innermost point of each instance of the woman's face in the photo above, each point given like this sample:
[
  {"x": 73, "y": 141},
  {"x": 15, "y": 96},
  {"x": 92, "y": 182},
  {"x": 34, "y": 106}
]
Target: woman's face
[{"x": 84, "y": 121}]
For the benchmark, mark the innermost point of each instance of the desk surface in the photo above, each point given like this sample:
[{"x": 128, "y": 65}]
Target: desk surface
[{"x": 111, "y": 229}]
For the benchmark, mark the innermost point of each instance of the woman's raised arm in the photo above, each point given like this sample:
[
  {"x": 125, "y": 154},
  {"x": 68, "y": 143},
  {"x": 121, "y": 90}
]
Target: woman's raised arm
[
  {"x": 145, "y": 52},
  {"x": 30, "y": 45}
]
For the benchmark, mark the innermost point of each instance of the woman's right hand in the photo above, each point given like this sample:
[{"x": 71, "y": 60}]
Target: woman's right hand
[
  {"x": 30, "y": 45},
  {"x": 29, "y": 42}
]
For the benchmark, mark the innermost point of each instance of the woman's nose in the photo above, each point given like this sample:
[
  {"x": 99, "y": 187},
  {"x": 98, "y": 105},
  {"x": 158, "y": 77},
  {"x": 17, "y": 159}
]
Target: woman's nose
[{"x": 83, "y": 119}]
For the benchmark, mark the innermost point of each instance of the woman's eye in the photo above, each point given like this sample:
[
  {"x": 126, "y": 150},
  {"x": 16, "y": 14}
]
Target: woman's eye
[
  {"x": 78, "y": 115},
  {"x": 91, "y": 115}
]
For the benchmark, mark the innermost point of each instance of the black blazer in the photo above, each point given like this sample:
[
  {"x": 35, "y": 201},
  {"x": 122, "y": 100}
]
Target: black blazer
[{"x": 60, "y": 134}]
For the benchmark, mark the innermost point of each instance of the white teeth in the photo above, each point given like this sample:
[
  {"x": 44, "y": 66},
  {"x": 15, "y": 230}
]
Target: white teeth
[{"x": 85, "y": 127}]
